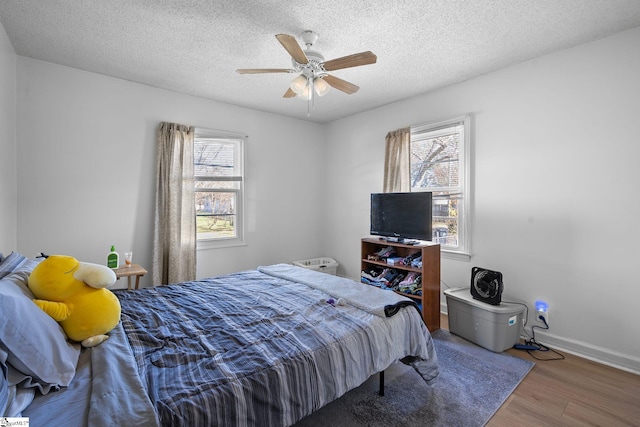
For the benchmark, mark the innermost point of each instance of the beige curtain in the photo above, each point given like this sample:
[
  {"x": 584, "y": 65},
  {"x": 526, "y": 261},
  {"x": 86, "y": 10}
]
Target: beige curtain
[
  {"x": 397, "y": 161},
  {"x": 174, "y": 242}
]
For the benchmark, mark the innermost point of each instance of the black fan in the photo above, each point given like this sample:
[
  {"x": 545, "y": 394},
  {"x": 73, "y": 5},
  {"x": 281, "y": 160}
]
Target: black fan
[{"x": 486, "y": 285}]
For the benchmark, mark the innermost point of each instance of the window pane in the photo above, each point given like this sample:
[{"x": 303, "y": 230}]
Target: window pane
[
  {"x": 435, "y": 160},
  {"x": 215, "y": 158},
  {"x": 216, "y": 214},
  {"x": 445, "y": 218}
]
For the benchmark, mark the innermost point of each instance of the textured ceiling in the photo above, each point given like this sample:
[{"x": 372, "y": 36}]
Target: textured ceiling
[{"x": 195, "y": 46}]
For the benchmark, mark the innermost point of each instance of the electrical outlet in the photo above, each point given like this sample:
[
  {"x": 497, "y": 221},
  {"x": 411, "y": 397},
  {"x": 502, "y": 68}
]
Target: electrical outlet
[
  {"x": 542, "y": 309},
  {"x": 544, "y": 314}
]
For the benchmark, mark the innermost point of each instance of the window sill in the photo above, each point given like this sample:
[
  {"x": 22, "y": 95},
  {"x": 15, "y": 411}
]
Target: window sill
[
  {"x": 455, "y": 255},
  {"x": 203, "y": 245}
]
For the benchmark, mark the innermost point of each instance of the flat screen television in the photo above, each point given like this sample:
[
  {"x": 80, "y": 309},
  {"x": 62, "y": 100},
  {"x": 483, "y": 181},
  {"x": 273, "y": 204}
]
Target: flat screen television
[{"x": 402, "y": 216}]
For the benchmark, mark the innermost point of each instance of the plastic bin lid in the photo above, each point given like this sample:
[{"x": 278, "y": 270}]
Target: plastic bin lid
[{"x": 464, "y": 295}]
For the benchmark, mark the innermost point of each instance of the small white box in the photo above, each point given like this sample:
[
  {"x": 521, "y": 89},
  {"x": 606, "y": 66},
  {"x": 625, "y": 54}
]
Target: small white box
[
  {"x": 325, "y": 265},
  {"x": 494, "y": 327}
]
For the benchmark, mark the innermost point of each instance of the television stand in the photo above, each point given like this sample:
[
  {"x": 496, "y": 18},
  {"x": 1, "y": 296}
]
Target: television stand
[{"x": 430, "y": 272}]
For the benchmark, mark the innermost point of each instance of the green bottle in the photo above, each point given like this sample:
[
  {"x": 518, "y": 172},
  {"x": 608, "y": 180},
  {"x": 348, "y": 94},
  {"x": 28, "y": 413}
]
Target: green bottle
[{"x": 113, "y": 259}]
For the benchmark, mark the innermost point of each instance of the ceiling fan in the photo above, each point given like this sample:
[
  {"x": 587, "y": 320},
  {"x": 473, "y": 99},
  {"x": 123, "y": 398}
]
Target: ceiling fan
[{"x": 314, "y": 70}]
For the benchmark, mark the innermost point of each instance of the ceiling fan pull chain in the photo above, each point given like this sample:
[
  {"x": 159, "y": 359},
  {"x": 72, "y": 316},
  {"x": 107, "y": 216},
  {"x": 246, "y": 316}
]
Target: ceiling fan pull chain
[{"x": 310, "y": 98}]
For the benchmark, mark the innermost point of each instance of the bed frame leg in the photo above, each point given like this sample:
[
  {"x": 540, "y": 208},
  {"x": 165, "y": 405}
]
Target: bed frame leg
[{"x": 381, "y": 392}]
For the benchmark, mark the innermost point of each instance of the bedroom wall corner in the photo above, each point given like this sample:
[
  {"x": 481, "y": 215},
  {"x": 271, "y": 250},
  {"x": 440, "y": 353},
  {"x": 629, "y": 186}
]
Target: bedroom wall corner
[{"x": 8, "y": 146}]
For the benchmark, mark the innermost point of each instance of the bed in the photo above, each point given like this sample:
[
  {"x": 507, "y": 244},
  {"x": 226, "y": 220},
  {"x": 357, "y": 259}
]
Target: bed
[{"x": 259, "y": 347}]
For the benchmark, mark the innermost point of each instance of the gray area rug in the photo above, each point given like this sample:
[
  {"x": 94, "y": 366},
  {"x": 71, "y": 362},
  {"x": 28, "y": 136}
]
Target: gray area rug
[{"x": 472, "y": 385}]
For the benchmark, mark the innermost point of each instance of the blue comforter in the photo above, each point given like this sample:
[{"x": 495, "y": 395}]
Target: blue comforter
[{"x": 250, "y": 348}]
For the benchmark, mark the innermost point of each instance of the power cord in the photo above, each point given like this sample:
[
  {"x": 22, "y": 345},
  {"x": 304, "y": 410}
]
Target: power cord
[{"x": 531, "y": 344}]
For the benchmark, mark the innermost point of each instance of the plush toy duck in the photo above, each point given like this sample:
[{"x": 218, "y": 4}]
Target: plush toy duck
[{"x": 75, "y": 294}]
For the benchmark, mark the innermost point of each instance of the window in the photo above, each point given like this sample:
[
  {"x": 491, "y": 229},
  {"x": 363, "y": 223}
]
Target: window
[
  {"x": 219, "y": 178},
  {"x": 440, "y": 164}
]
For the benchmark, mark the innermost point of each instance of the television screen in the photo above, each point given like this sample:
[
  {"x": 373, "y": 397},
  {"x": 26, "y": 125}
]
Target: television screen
[{"x": 402, "y": 215}]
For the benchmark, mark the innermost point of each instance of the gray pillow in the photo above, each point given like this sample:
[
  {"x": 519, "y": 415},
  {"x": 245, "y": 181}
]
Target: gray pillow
[
  {"x": 11, "y": 263},
  {"x": 35, "y": 343}
]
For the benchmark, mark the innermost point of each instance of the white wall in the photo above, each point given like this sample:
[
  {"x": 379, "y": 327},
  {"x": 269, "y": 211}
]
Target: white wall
[
  {"x": 556, "y": 201},
  {"x": 87, "y": 167},
  {"x": 8, "y": 171}
]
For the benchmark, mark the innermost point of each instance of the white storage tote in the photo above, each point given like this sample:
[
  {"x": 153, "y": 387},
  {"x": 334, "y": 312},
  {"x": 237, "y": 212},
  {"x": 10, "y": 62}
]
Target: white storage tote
[{"x": 325, "y": 265}]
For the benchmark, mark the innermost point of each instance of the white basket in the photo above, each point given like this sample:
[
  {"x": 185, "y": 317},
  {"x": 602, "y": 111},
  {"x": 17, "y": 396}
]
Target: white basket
[{"x": 325, "y": 265}]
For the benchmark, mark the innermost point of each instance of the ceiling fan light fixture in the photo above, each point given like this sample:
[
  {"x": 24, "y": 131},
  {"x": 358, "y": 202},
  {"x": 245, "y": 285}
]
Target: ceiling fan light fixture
[
  {"x": 321, "y": 86},
  {"x": 306, "y": 93},
  {"x": 299, "y": 84}
]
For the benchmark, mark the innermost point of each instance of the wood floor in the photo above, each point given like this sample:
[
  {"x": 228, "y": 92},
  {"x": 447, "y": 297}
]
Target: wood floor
[{"x": 570, "y": 392}]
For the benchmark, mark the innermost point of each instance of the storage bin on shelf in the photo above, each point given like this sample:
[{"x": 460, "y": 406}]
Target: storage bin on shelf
[
  {"x": 494, "y": 327},
  {"x": 324, "y": 264}
]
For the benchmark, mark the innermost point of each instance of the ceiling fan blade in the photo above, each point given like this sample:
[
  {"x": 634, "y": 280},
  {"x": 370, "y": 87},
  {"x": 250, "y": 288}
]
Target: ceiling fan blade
[
  {"x": 340, "y": 84},
  {"x": 355, "y": 60},
  {"x": 291, "y": 45},
  {"x": 289, "y": 94},
  {"x": 264, "y": 70}
]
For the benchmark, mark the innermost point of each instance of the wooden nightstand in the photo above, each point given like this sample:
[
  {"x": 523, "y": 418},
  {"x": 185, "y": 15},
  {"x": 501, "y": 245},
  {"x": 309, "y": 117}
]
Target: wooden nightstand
[{"x": 128, "y": 272}]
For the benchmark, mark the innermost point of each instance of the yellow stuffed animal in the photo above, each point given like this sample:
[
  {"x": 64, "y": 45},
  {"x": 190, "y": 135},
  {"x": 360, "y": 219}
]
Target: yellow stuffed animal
[{"x": 74, "y": 293}]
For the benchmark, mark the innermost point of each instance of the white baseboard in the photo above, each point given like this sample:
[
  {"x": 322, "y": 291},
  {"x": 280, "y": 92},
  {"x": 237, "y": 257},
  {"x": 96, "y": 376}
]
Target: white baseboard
[
  {"x": 588, "y": 351},
  {"x": 585, "y": 350}
]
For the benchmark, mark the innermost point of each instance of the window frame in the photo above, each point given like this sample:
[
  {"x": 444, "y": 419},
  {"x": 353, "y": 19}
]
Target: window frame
[
  {"x": 240, "y": 140},
  {"x": 463, "y": 250}
]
